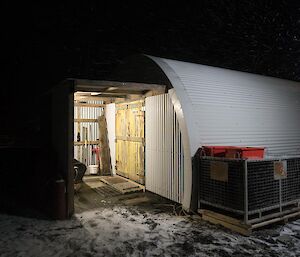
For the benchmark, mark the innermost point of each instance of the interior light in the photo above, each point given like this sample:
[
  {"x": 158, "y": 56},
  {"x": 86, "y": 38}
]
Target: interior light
[{"x": 112, "y": 88}]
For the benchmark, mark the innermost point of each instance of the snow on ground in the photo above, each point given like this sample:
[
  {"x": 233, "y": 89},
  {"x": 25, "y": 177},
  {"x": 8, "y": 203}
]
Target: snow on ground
[{"x": 133, "y": 231}]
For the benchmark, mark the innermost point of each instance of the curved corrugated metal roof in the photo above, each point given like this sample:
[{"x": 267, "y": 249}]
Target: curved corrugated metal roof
[{"x": 226, "y": 107}]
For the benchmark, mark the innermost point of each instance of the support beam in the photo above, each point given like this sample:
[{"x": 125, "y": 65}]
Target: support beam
[
  {"x": 87, "y": 142},
  {"x": 114, "y": 86},
  {"x": 85, "y": 120},
  {"x": 88, "y": 105},
  {"x": 96, "y": 84}
]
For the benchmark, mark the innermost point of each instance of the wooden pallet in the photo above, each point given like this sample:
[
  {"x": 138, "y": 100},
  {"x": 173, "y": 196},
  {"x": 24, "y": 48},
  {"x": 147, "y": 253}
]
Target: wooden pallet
[
  {"x": 121, "y": 184},
  {"x": 239, "y": 226}
]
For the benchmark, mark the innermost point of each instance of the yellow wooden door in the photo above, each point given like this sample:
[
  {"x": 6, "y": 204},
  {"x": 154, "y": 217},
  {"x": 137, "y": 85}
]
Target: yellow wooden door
[{"x": 130, "y": 138}]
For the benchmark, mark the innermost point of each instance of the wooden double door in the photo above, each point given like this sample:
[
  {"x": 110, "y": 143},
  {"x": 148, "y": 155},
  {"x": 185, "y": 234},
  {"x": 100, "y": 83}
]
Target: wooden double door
[{"x": 130, "y": 140}]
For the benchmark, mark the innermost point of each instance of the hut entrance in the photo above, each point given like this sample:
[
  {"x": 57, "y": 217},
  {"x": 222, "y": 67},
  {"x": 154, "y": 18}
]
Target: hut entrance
[{"x": 109, "y": 140}]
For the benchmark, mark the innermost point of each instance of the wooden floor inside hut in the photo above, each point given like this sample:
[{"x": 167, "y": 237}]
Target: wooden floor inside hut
[{"x": 98, "y": 191}]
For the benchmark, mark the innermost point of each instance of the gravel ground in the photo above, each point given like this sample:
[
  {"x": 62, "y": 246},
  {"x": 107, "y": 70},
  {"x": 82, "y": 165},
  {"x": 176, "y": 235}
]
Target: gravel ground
[{"x": 139, "y": 231}]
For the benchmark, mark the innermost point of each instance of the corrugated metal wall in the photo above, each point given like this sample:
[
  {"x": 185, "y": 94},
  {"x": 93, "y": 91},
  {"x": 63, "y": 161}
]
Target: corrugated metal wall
[
  {"x": 226, "y": 107},
  {"x": 164, "y": 149},
  {"x": 83, "y": 153}
]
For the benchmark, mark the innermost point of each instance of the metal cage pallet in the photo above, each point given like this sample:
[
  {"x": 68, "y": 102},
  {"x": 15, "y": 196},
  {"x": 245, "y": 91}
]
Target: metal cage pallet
[{"x": 252, "y": 191}]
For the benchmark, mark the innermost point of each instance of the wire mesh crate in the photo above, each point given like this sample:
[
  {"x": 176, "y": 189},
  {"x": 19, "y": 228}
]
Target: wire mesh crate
[
  {"x": 255, "y": 190},
  {"x": 228, "y": 192}
]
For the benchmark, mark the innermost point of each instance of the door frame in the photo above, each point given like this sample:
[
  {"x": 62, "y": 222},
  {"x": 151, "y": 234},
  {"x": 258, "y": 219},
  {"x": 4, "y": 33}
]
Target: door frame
[
  {"x": 62, "y": 116},
  {"x": 63, "y": 122}
]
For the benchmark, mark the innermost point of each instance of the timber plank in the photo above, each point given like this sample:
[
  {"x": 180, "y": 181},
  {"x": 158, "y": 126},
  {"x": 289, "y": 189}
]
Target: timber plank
[
  {"x": 238, "y": 225},
  {"x": 85, "y": 120},
  {"x": 131, "y": 139},
  {"x": 87, "y": 142},
  {"x": 89, "y": 105},
  {"x": 226, "y": 221},
  {"x": 105, "y": 162}
]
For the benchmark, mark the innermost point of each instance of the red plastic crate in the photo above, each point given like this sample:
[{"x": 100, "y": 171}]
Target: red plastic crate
[
  {"x": 233, "y": 152},
  {"x": 245, "y": 152},
  {"x": 215, "y": 151},
  {"x": 218, "y": 151}
]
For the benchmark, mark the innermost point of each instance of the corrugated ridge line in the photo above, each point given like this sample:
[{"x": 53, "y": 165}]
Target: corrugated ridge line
[
  {"x": 215, "y": 95},
  {"x": 209, "y": 73},
  {"x": 248, "y": 98}
]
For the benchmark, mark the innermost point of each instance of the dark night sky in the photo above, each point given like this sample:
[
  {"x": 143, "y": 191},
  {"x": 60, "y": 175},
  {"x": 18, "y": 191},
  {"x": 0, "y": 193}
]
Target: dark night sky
[
  {"x": 47, "y": 43},
  {"x": 43, "y": 44}
]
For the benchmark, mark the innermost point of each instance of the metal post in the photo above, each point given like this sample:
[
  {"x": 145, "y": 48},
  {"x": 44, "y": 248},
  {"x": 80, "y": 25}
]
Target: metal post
[
  {"x": 245, "y": 191},
  {"x": 280, "y": 194}
]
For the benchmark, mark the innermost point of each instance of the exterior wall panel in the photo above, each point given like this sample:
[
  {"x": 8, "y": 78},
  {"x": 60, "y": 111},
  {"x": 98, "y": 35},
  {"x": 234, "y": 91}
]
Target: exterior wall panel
[
  {"x": 164, "y": 150},
  {"x": 226, "y": 107}
]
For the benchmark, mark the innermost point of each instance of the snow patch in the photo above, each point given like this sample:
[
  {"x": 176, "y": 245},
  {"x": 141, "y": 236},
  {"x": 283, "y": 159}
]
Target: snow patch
[{"x": 130, "y": 231}]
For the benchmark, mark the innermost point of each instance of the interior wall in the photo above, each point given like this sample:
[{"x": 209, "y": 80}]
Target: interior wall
[
  {"x": 88, "y": 131},
  {"x": 110, "y": 115}
]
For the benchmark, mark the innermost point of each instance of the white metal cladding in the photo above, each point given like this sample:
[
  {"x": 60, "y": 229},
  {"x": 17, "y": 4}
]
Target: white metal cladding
[
  {"x": 110, "y": 114},
  {"x": 226, "y": 107},
  {"x": 164, "y": 149},
  {"x": 84, "y": 153}
]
